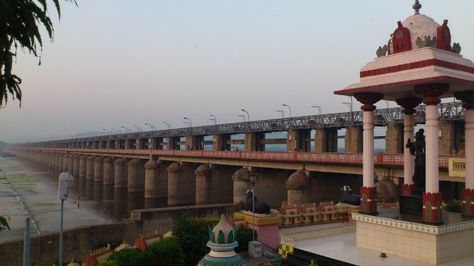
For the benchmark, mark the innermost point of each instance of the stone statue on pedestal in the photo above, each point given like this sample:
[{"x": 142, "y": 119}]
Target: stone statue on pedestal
[{"x": 417, "y": 148}]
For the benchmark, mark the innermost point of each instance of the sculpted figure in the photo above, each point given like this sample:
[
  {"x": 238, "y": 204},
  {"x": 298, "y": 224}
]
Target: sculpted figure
[{"x": 417, "y": 149}]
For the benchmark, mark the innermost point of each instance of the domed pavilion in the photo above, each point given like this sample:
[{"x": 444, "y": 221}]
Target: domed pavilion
[{"x": 419, "y": 64}]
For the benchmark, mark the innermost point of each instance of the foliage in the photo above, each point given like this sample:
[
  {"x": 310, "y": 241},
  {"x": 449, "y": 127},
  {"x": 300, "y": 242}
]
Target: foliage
[
  {"x": 243, "y": 237},
  {"x": 192, "y": 235},
  {"x": 20, "y": 23},
  {"x": 129, "y": 257},
  {"x": 453, "y": 206},
  {"x": 165, "y": 252},
  {"x": 103, "y": 262},
  {"x": 4, "y": 224}
]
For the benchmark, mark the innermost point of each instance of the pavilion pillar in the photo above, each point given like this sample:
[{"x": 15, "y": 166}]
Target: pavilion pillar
[
  {"x": 468, "y": 194},
  {"x": 409, "y": 105},
  {"x": 368, "y": 191},
  {"x": 431, "y": 212}
]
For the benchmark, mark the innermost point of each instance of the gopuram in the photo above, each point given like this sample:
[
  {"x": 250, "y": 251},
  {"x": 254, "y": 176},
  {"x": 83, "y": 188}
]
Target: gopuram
[{"x": 419, "y": 64}]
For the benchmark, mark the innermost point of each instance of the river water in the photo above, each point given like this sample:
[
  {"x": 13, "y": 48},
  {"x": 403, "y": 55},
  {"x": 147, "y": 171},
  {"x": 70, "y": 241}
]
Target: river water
[{"x": 27, "y": 189}]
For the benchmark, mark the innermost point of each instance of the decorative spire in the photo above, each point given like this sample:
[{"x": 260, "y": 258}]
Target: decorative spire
[{"x": 417, "y": 6}]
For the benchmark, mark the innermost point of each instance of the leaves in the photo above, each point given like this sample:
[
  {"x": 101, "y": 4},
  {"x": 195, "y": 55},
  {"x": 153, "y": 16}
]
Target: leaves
[
  {"x": 20, "y": 24},
  {"x": 4, "y": 224}
]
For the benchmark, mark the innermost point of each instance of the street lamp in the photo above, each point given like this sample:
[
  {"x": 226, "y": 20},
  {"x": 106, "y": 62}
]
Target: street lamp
[
  {"x": 318, "y": 107},
  {"x": 287, "y": 106},
  {"x": 350, "y": 105},
  {"x": 213, "y": 118},
  {"x": 282, "y": 113},
  {"x": 126, "y": 129},
  {"x": 150, "y": 125},
  {"x": 138, "y": 128},
  {"x": 167, "y": 124},
  {"x": 243, "y": 117},
  {"x": 190, "y": 122},
  {"x": 248, "y": 115}
]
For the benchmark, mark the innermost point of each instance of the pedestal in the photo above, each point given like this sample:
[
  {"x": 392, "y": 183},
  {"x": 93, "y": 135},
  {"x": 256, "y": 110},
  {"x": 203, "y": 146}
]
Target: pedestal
[
  {"x": 411, "y": 205},
  {"x": 368, "y": 205},
  {"x": 468, "y": 203},
  {"x": 406, "y": 189},
  {"x": 431, "y": 212}
]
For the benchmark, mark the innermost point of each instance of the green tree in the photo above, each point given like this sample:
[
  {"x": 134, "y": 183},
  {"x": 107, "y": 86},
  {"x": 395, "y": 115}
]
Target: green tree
[
  {"x": 20, "y": 27},
  {"x": 4, "y": 224}
]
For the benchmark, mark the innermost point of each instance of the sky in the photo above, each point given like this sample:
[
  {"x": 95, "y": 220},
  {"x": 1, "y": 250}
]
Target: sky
[{"x": 117, "y": 63}]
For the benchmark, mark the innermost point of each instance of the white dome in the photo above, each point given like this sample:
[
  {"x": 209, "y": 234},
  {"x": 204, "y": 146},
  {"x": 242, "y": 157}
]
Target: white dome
[{"x": 420, "y": 26}]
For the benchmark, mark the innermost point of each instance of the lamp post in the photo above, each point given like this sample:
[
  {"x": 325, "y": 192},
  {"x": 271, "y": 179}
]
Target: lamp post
[
  {"x": 190, "y": 121},
  {"x": 318, "y": 107},
  {"x": 282, "y": 113},
  {"x": 138, "y": 128},
  {"x": 64, "y": 183},
  {"x": 213, "y": 118},
  {"x": 287, "y": 106},
  {"x": 167, "y": 124},
  {"x": 243, "y": 117},
  {"x": 248, "y": 115},
  {"x": 150, "y": 125},
  {"x": 351, "y": 108},
  {"x": 126, "y": 129}
]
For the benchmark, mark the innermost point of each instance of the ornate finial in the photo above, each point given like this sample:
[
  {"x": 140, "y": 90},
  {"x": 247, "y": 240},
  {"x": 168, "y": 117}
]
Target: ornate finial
[{"x": 417, "y": 6}]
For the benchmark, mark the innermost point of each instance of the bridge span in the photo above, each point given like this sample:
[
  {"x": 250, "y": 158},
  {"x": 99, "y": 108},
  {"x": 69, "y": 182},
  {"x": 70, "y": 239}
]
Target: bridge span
[{"x": 195, "y": 165}]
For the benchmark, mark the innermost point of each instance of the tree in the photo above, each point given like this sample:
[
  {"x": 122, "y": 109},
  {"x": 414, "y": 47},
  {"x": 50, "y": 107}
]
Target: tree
[{"x": 20, "y": 26}]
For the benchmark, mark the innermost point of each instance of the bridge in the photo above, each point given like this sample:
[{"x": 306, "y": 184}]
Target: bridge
[{"x": 197, "y": 166}]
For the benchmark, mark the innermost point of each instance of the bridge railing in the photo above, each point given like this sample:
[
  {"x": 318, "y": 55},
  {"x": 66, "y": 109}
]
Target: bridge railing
[{"x": 380, "y": 159}]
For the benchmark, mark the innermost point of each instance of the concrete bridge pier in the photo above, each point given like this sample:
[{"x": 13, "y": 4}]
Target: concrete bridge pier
[
  {"x": 353, "y": 139},
  {"x": 108, "y": 180},
  {"x": 181, "y": 184},
  {"x": 70, "y": 163},
  {"x": 394, "y": 138},
  {"x": 221, "y": 142},
  {"x": 240, "y": 185},
  {"x": 98, "y": 178},
  {"x": 203, "y": 184},
  {"x": 58, "y": 162},
  {"x": 156, "y": 184},
  {"x": 82, "y": 176},
  {"x": 297, "y": 186},
  {"x": 75, "y": 172},
  {"x": 222, "y": 183},
  {"x": 135, "y": 184},
  {"x": 325, "y": 140},
  {"x": 253, "y": 141},
  {"x": 65, "y": 162},
  {"x": 120, "y": 187},
  {"x": 90, "y": 177},
  {"x": 299, "y": 140}
]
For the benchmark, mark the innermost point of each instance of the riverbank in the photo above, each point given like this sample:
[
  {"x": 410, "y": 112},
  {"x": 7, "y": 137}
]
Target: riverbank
[{"x": 26, "y": 190}]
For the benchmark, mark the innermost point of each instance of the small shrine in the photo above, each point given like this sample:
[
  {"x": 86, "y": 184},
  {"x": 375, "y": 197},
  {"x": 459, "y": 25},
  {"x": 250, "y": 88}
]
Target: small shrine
[
  {"x": 222, "y": 243},
  {"x": 418, "y": 64}
]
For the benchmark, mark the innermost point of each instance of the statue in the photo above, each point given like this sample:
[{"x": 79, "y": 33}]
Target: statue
[
  {"x": 260, "y": 207},
  {"x": 417, "y": 149}
]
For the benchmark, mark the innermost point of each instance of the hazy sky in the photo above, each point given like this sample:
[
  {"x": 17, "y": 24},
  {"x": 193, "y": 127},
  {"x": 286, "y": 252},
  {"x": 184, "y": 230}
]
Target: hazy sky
[{"x": 123, "y": 63}]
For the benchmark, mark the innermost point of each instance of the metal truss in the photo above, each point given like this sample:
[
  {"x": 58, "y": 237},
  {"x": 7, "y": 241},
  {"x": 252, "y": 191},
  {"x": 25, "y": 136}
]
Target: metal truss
[{"x": 448, "y": 111}]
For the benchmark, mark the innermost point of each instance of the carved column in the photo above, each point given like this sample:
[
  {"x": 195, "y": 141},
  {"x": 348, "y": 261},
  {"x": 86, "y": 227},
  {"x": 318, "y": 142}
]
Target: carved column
[
  {"x": 431, "y": 93},
  {"x": 468, "y": 194},
  {"x": 409, "y": 105},
  {"x": 368, "y": 191}
]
